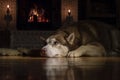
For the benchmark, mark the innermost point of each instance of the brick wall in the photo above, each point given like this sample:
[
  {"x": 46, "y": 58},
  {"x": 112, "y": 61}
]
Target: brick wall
[
  {"x": 72, "y": 5},
  {"x": 3, "y": 9}
]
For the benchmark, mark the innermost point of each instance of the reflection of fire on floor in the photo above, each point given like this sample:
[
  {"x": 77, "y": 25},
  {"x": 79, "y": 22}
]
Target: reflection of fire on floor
[{"x": 84, "y": 68}]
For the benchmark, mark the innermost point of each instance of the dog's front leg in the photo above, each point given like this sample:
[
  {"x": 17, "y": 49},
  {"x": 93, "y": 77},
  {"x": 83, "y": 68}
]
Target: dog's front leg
[
  {"x": 77, "y": 52},
  {"x": 89, "y": 50}
]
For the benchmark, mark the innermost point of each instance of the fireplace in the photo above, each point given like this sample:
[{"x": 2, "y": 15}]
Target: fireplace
[{"x": 38, "y": 14}]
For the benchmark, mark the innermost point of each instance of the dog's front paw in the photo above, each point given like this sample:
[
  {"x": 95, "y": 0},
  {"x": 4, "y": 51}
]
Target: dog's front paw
[{"x": 73, "y": 54}]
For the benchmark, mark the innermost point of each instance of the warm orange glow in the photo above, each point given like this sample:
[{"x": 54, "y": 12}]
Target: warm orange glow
[
  {"x": 34, "y": 12},
  {"x": 40, "y": 15},
  {"x": 69, "y": 11},
  {"x": 8, "y": 6}
]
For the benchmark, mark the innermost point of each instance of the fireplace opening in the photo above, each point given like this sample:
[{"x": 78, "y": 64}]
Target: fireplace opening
[{"x": 38, "y": 14}]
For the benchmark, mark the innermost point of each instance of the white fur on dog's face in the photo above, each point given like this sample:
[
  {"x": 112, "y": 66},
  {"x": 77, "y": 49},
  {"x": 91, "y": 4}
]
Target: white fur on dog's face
[{"x": 55, "y": 48}]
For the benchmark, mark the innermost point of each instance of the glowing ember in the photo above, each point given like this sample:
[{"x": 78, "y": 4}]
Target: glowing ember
[{"x": 37, "y": 15}]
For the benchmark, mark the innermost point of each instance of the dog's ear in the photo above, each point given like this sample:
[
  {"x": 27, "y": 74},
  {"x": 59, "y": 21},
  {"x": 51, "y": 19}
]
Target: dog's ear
[{"x": 71, "y": 38}]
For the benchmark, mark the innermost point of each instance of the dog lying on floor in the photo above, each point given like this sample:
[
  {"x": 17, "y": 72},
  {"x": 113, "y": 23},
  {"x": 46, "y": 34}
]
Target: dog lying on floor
[{"x": 77, "y": 39}]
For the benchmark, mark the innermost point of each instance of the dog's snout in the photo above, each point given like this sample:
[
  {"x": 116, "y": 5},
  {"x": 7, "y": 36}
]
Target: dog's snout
[
  {"x": 43, "y": 52},
  {"x": 44, "y": 49}
]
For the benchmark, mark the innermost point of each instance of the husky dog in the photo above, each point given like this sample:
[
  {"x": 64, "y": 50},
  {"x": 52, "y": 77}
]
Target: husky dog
[{"x": 77, "y": 39}]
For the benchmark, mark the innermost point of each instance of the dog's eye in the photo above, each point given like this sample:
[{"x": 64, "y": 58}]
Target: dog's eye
[{"x": 55, "y": 42}]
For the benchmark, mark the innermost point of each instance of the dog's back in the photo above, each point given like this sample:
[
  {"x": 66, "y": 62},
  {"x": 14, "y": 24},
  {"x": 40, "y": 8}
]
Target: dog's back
[{"x": 93, "y": 31}]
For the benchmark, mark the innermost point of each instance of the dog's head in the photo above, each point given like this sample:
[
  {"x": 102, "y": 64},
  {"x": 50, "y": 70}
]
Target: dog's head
[{"x": 58, "y": 44}]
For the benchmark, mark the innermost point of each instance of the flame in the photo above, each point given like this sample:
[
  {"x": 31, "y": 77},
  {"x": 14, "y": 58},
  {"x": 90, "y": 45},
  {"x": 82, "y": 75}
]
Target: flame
[
  {"x": 69, "y": 11},
  {"x": 40, "y": 16},
  {"x": 8, "y": 6}
]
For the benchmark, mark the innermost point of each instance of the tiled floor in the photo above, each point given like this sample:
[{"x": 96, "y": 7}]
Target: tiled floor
[{"x": 84, "y": 68}]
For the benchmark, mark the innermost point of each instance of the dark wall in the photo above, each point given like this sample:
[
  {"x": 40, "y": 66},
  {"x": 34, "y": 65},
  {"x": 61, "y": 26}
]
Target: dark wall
[
  {"x": 101, "y": 10},
  {"x": 5, "y": 39}
]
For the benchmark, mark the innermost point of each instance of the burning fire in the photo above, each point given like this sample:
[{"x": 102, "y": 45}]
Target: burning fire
[{"x": 36, "y": 15}]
